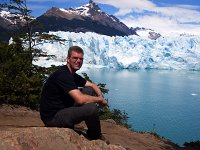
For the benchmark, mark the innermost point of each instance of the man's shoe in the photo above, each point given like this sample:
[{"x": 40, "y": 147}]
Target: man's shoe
[
  {"x": 99, "y": 137},
  {"x": 104, "y": 139}
]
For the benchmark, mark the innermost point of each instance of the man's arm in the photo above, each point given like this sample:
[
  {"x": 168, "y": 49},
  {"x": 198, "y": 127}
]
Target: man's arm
[
  {"x": 81, "y": 98},
  {"x": 95, "y": 88}
]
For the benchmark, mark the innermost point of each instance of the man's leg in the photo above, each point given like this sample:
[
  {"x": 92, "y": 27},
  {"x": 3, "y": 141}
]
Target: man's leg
[
  {"x": 93, "y": 122},
  {"x": 89, "y": 113},
  {"x": 68, "y": 117}
]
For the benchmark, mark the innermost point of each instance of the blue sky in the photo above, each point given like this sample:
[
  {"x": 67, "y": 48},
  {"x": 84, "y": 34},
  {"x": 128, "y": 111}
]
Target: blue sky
[{"x": 164, "y": 16}]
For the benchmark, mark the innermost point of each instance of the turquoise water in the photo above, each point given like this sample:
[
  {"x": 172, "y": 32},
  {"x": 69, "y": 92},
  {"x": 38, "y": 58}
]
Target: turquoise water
[{"x": 166, "y": 102}]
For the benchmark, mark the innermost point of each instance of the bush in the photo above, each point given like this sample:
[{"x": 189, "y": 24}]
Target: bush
[
  {"x": 194, "y": 145},
  {"x": 117, "y": 115},
  {"x": 20, "y": 80}
]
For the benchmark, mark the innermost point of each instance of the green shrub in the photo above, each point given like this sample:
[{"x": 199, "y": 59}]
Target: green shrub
[
  {"x": 194, "y": 145},
  {"x": 121, "y": 118},
  {"x": 20, "y": 80}
]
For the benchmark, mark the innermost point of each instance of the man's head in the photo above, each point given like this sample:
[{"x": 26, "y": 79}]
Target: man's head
[{"x": 75, "y": 58}]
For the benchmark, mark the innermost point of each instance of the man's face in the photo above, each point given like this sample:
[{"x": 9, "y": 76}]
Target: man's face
[{"x": 75, "y": 61}]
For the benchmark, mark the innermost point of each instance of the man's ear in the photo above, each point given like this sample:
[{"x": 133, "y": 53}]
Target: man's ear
[{"x": 67, "y": 59}]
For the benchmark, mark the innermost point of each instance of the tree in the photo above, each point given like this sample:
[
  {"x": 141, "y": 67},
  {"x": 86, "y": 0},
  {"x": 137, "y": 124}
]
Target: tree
[
  {"x": 20, "y": 80},
  {"x": 20, "y": 83}
]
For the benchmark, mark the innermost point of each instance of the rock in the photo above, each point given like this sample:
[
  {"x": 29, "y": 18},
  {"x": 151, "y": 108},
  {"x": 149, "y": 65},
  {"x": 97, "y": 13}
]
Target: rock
[
  {"x": 22, "y": 129},
  {"x": 111, "y": 121},
  {"x": 43, "y": 138}
]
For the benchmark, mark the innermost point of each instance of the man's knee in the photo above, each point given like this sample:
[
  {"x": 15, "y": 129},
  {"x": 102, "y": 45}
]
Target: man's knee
[
  {"x": 88, "y": 91},
  {"x": 92, "y": 109}
]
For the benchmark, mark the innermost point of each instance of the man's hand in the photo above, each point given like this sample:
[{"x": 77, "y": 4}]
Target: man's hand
[{"x": 103, "y": 102}]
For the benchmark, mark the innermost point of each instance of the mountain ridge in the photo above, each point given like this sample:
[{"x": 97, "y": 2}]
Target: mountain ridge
[{"x": 86, "y": 18}]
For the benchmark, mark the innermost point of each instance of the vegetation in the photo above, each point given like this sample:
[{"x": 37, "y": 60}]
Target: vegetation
[
  {"x": 20, "y": 82},
  {"x": 117, "y": 115},
  {"x": 194, "y": 145}
]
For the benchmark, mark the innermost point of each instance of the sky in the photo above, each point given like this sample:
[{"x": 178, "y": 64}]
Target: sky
[{"x": 163, "y": 16}]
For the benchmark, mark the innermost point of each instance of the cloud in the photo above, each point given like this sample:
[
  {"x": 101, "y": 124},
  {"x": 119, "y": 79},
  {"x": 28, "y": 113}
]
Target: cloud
[
  {"x": 128, "y": 6},
  {"x": 165, "y": 18},
  {"x": 180, "y": 14},
  {"x": 163, "y": 25}
]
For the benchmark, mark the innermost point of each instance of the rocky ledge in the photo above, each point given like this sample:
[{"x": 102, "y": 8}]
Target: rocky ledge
[{"x": 22, "y": 129}]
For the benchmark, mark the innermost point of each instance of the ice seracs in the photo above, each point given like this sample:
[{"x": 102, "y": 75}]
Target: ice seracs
[{"x": 129, "y": 52}]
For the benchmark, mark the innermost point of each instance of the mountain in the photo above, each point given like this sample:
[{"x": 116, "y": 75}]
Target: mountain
[
  {"x": 179, "y": 52},
  {"x": 146, "y": 33},
  {"x": 10, "y": 23},
  {"x": 87, "y": 18}
]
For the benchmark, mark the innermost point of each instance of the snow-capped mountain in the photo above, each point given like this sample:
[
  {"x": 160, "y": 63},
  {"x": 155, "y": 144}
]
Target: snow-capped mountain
[
  {"x": 130, "y": 52},
  {"x": 9, "y": 23},
  {"x": 87, "y": 18},
  {"x": 146, "y": 33},
  {"x": 10, "y": 20}
]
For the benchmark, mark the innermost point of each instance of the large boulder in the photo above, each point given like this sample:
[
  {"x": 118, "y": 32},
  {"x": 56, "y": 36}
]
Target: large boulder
[{"x": 42, "y": 138}]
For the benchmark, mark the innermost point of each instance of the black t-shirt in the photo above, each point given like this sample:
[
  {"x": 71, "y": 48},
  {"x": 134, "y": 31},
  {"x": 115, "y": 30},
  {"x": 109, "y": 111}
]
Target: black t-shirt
[{"x": 55, "y": 95}]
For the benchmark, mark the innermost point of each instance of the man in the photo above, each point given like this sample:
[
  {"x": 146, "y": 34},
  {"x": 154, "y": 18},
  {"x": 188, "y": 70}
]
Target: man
[{"x": 64, "y": 105}]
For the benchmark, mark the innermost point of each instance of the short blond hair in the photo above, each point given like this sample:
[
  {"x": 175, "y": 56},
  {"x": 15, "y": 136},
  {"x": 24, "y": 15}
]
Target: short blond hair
[{"x": 74, "y": 49}]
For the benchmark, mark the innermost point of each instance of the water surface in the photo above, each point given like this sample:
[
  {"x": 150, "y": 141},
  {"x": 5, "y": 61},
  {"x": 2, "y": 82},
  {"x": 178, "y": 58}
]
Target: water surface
[{"x": 167, "y": 102}]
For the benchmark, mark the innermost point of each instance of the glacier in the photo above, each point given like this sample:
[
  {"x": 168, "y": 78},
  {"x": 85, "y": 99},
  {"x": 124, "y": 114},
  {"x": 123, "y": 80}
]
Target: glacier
[{"x": 175, "y": 52}]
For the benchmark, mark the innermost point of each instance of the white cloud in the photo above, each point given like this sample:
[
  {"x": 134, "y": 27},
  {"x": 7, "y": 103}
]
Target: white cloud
[
  {"x": 168, "y": 18},
  {"x": 163, "y": 25},
  {"x": 128, "y": 6},
  {"x": 189, "y": 6},
  {"x": 180, "y": 14}
]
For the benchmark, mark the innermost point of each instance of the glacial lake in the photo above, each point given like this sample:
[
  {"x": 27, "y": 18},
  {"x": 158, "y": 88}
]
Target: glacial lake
[{"x": 162, "y": 101}]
